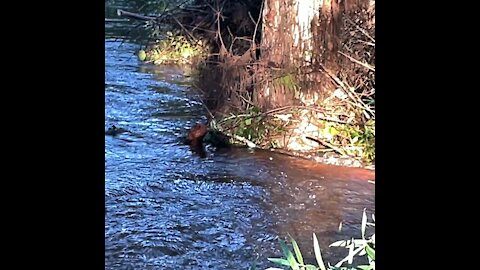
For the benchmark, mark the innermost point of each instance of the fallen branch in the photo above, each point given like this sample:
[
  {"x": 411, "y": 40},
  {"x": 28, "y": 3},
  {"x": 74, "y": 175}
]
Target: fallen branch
[
  {"x": 137, "y": 16},
  {"x": 243, "y": 140},
  {"x": 115, "y": 20},
  {"x": 329, "y": 145}
]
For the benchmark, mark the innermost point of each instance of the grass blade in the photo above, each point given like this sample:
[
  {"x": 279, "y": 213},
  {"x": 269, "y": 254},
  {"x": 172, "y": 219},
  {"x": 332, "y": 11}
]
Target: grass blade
[
  {"x": 279, "y": 261},
  {"x": 318, "y": 254},
  {"x": 298, "y": 254},
  {"x": 364, "y": 223},
  {"x": 364, "y": 267},
  {"x": 289, "y": 255},
  {"x": 370, "y": 252},
  {"x": 341, "y": 243},
  {"x": 351, "y": 253}
]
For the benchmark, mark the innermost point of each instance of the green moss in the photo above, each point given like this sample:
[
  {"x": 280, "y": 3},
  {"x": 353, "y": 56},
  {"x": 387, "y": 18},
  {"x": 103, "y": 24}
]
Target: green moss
[{"x": 289, "y": 81}]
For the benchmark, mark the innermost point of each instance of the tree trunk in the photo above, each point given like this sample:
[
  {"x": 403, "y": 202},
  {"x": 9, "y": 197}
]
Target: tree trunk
[
  {"x": 299, "y": 37},
  {"x": 278, "y": 51}
]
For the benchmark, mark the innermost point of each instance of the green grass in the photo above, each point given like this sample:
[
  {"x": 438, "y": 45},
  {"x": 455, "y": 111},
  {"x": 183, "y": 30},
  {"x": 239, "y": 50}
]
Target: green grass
[{"x": 356, "y": 248}]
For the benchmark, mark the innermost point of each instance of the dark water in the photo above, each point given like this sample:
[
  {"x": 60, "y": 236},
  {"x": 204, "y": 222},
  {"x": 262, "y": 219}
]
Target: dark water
[{"x": 169, "y": 209}]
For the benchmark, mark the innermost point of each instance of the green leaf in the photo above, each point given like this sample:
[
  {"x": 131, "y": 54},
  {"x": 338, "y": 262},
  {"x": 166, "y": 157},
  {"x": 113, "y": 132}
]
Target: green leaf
[
  {"x": 370, "y": 252},
  {"x": 340, "y": 243},
  {"x": 279, "y": 261},
  {"x": 318, "y": 254},
  {"x": 310, "y": 267},
  {"x": 333, "y": 131},
  {"x": 289, "y": 255},
  {"x": 298, "y": 254},
  {"x": 255, "y": 109},
  {"x": 248, "y": 121},
  {"x": 365, "y": 267}
]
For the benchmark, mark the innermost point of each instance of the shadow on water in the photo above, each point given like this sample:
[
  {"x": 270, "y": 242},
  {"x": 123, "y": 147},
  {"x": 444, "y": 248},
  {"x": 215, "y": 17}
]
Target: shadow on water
[{"x": 168, "y": 208}]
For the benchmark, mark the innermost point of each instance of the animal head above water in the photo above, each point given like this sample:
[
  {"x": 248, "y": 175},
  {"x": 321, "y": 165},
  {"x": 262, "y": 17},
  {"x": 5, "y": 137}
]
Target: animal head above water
[{"x": 197, "y": 133}]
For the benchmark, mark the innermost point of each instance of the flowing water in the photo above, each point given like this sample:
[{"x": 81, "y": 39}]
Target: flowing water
[{"x": 167, "y": 208}]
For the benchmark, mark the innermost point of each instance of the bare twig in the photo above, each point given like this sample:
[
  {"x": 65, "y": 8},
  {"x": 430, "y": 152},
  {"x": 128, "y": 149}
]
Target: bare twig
[
  {"x": 308, "y": 108},
  {"x": 219, "y": 32},
  {"x": 358, "y": 62},
  {"x": 233, "y": 39},
  {"x": 367, "y": 43},
  {"x": 361, "y": 30},
  {"x": 184, "y": 29},
  {"x": 246, "y": 100},
  {"x": 256, "y": 24},
  {"x": 357, "y": 101}
]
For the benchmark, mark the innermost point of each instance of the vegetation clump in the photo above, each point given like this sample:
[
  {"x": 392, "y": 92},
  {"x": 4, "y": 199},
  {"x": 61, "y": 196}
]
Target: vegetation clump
[
  {"x": 357, "y": 248},
  {"x": 173, "y": 49}
]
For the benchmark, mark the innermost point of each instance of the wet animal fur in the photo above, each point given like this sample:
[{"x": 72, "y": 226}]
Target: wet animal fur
[
  {"x": 195, "y": 139},
  {"x": 196, "y": 134}
]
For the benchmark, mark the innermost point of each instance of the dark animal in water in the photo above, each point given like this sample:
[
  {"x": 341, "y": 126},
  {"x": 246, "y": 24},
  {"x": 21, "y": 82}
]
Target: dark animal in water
[
  {"x": 217, "y": 139},
  {"x": 199, "y": 135},
  {"x": 195, "y": 139},
  {"x": 114, "y": 131},
  {"x": 196, "y": 134}
]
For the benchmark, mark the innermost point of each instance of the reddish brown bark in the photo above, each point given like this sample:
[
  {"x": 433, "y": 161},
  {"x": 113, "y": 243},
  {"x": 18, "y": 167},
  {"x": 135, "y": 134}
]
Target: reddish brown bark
[{"x": 281, "y": 55}]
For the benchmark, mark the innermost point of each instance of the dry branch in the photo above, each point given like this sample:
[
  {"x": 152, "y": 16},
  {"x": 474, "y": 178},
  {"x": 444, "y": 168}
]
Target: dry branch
[
  {"x": 361, "y": 30},
  {"x": 356, "y": 100},
  {"x": 329, "y": 145},
  {"x": 137, "y": 16},
  {"x": 365, "y": 65}
]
